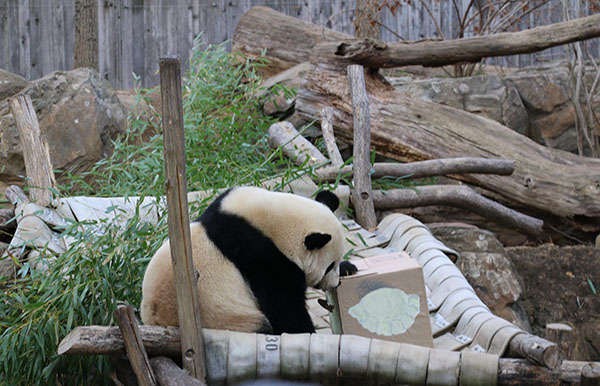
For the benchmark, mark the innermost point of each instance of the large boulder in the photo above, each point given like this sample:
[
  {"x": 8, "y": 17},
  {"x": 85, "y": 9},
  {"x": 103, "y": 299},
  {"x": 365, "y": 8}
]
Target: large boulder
[
  {"x": 79, "y": 116},
  {"x": 535, "y": 101},
  {"x": 10, "y": 84}
]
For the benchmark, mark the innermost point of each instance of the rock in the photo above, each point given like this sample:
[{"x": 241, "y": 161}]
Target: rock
[
  {"x": 560, "y": 285},
  {"x": 514, "y": 114},
  {"x": 533, "y": 101},
  {"x": 79, "y": 116},
  {"x": 542, "y": 92},
  {"x": 486, "y": 266},
  {"x": 10, "y": 84}
]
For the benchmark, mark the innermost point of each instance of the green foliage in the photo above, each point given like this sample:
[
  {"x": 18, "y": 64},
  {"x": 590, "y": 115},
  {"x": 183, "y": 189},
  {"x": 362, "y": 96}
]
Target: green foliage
[
  {"x": 104, "y": 264},
  {"x": 225, "y": 145}
]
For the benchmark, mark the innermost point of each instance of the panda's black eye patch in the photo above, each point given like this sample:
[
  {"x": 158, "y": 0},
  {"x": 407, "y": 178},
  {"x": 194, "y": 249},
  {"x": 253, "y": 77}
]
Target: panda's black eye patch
[{"x": 329, "y": 268}]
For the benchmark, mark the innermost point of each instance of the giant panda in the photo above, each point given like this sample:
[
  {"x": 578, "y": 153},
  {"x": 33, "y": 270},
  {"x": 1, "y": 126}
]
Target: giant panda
[{"x": 256, "y": 251}]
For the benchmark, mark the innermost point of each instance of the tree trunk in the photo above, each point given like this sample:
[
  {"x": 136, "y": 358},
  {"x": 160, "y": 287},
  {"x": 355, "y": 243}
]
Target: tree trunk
[
  {"x": 86, "y": 33},
  {"x": 366, "y": 19},
  {"x": 410, "y": 130},
  {"x": 289, "y": 41}
]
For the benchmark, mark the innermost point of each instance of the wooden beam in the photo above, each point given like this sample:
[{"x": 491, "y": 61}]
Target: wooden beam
[
  {"x": 362, "y": 196},
  {"x": 35, "y": 150},
  {"x": 186, "y": 276}
]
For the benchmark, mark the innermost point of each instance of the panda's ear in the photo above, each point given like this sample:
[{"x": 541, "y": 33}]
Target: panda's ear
[
  {"x": 329, "y": 199},
  {"x": 316, "y": 240}
]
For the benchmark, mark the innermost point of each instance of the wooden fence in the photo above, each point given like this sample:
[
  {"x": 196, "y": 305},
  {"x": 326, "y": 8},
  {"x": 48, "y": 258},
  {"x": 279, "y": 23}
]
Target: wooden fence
[{"x": 37, "y": 36}]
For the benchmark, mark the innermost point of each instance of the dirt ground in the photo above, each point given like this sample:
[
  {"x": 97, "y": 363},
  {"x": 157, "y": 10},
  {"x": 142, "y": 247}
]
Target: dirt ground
[{"x": 562, "y": 285}]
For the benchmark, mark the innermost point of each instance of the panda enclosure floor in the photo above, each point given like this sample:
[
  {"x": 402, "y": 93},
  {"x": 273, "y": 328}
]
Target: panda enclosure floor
[{"x": 318, "y": 314}]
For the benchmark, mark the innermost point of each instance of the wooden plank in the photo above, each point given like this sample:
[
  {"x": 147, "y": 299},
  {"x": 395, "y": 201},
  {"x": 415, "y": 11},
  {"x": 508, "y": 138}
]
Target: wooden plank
[
  {"x": 188, "y": 306},
  {"x": 35, "y": 150},
  {"x": 115, "y": 44},
  {"x": 24, "y": 40},
  {"x": 35, "y": 51},
  {"x": 137, "y": 36},
  {"x": 69, "y": 31},
  {"x": 127, "y": 43},
  {"x": 103, "y": 50},
  {"x": 13, "y": 30},
  {"x": 46, "y": 40},
  {"x": 4, "y": 37},
  {"x": 58, "y": 36},
  {"x": 138, "y": 358},
  {"x": 150, "y": 74}
]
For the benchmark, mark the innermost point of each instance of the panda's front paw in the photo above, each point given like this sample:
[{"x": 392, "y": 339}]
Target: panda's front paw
[{"x": 347, "y": 268}]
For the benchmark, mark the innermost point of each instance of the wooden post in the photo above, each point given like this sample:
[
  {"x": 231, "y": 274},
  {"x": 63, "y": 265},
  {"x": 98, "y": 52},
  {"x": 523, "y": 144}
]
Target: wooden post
[
  {"x": 188, "y": 307},
  {"x": 35, "y": 151},
  {"x": 590, "y": 374},
  {"x": 134, "y": 346},
  {"x": 362, "y": 197},
  {"x": 562, "y": 335}
]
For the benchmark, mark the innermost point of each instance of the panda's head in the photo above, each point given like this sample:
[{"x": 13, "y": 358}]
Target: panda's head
[{"x": 306, "y": 231}]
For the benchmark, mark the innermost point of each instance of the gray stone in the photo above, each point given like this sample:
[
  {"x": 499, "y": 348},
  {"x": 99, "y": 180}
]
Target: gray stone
[
  {"x": 514, "y": 114},
  {"x": 10, "y": 84},
  {"x": 542, "y": 92},
  {"x": 486, "y": 266},
  {"x": 79, "y": 116}
]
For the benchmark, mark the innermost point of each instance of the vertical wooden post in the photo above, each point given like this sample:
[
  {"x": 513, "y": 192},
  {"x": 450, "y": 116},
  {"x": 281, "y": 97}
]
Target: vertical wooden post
[
  {"x": 563, "y": 336},
  {"x": 188, "y": 307},
  {"x": 35, "y": 151},
  {"x": 362, "y": 197},
  {"x": 138, "y": 358}
]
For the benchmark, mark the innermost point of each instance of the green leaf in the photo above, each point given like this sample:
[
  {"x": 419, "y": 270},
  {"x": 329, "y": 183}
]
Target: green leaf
[{"x": 592, "y": 287}]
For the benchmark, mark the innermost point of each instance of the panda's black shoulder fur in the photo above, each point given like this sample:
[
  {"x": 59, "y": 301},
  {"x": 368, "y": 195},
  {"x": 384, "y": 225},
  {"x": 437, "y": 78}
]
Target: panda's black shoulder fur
[{"x": 278, "y": 284}]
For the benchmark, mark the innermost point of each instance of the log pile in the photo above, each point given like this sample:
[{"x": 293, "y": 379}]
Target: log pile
[{"x": 546, "y": 182}]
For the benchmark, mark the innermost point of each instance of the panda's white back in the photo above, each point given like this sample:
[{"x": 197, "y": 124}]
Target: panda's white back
[
  {"x": 225, "y": 301},
  {"x": 244, "y": 222}
]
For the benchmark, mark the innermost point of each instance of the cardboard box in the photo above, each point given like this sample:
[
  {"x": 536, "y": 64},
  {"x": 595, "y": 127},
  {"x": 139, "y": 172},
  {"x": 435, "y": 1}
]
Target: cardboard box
[{"x": 385, "y": 299}]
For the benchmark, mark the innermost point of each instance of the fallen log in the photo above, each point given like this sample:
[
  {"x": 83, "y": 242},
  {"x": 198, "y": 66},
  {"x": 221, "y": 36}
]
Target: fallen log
[
  {"x": 166, "y": 341},
  {"x": 285, "y": 40},
  {"x": 456, "y": 195},
  {"x": 288, "y": 41},
  {"x": 435, "y": 53},
  {"x": 430, "y": 168},
  {"x": 411, "y": 130}
]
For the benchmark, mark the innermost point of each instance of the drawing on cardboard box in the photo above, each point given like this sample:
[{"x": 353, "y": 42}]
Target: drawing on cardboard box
[{"x": 386, "y": 311}]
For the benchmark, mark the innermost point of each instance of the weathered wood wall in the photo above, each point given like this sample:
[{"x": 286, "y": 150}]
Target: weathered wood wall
[{"x": 37, "y": 36}]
